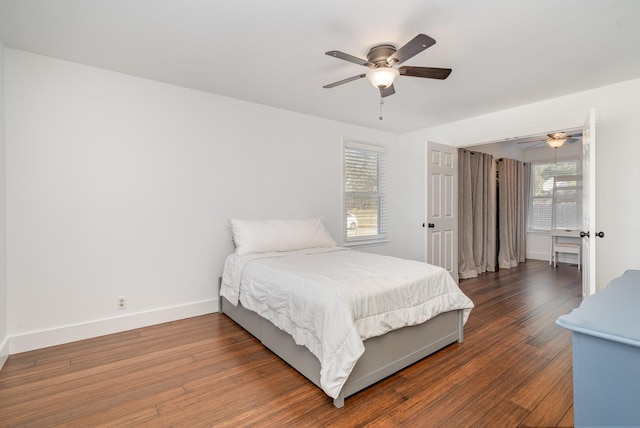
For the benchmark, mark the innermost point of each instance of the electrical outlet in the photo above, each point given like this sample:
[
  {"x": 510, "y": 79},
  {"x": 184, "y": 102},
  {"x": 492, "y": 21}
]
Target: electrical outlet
[{"x": 121, "y": 303}]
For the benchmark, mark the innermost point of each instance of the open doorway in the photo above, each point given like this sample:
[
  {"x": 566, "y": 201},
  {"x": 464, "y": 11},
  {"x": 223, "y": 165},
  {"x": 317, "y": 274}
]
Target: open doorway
[{"x": 546, "y": 209}]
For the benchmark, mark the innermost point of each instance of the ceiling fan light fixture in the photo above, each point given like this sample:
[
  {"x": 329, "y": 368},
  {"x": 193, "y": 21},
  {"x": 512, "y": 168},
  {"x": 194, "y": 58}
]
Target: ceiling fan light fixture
[
  {"x": 556, "y": 143},
  {"x": 382, "y": 77}
]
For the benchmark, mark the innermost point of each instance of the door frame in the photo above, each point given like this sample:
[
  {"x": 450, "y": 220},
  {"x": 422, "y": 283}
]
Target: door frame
[
  {"x": 589, "y": 204},
  {"x": 591, "y": 118}
]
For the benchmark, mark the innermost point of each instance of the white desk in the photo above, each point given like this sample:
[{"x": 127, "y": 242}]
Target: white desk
[{"x": 563, "y": 246}]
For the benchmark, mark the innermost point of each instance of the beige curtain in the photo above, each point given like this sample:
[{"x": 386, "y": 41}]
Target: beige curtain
[
  {"x": 476, "y": 213},
  {"x": 513, "y": 204}
]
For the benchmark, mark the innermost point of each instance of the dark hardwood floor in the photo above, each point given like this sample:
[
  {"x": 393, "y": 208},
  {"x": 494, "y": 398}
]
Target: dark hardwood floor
[{"x": 513, "y": 369}]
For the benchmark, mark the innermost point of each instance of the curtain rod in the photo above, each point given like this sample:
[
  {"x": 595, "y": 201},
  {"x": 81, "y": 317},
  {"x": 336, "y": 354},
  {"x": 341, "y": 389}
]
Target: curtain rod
[{"x": 500, "y": 160}]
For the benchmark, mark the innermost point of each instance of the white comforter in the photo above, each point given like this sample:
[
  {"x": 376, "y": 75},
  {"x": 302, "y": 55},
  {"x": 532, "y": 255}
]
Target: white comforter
[{"x": 331, "y": 299}]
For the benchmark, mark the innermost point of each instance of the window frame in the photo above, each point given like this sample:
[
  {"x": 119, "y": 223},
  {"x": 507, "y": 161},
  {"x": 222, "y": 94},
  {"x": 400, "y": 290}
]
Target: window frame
[
  {"x": 534, "y": 164},
  {"x": 380, "y": 195}
]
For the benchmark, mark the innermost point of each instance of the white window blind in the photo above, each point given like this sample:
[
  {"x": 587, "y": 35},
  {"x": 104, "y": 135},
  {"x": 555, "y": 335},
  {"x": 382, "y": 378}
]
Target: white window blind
[
  {"x": 556, "y": 195},
  {"x": 365, "y": 212}
]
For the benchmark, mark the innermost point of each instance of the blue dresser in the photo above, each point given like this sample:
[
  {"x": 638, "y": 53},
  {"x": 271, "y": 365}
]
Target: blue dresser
[{"x": 606, "y": 354}]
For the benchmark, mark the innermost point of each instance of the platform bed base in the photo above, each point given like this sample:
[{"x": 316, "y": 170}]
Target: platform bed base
[{"x": 384, "y": 355}]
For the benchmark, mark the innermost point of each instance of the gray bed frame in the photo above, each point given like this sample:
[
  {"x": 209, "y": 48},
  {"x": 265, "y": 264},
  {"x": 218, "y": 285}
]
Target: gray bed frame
[{"x": 383, "y": 356}]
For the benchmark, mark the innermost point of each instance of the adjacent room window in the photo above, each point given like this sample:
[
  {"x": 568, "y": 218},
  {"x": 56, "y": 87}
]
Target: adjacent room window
[
  {"x": 365, "y": 211},
  {"x": 556, "y": 195}
]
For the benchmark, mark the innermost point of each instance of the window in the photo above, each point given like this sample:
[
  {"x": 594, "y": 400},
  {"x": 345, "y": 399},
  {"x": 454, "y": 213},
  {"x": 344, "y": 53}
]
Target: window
[
  {"x": 556, "y": 195},
  {"x": 364, "y": 192}
]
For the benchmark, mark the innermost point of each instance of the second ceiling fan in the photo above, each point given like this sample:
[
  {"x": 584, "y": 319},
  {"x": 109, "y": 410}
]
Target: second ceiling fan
[
  {"x": 555, "y": 140},
  {"x": 381, "y": 59}
]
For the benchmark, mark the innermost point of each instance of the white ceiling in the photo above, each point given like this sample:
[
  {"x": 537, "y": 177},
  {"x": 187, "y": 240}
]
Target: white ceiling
[{"x": 503, "y": 53}]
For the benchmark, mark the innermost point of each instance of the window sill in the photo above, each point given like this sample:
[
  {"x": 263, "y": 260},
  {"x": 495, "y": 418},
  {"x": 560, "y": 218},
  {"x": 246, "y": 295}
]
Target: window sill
[{"x": 366, "y": 242}]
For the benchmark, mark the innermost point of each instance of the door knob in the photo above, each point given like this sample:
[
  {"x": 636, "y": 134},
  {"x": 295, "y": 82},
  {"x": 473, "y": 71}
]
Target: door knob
[
  {"x": 583, "y": 234},
  {"x": 600, "y": 234},
  {"x": 431, "y": 225}
]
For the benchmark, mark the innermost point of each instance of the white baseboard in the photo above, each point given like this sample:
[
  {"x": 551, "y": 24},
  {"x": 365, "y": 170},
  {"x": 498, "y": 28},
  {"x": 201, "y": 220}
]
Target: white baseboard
[
  {"x": 534, "y": 255},
  {"x": 4, "y": 351},
  {"x": 57, "y": 336},
  {"x": 562, "y": 258}
]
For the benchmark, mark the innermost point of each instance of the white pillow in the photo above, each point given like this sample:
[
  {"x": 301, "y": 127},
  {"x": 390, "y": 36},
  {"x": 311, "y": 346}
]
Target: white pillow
[{"x": 261, "y": 236}]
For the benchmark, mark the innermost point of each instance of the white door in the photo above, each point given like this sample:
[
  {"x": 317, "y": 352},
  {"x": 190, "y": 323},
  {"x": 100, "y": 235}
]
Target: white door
[
  {"x": 589, "y": 205},
  {"x": 442, "y": 207}
]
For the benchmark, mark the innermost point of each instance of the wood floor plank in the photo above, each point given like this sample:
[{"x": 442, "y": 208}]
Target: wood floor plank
[
  {"x": 61, "y": 398},
  {"x": 533, "y": 391},
  {"x": 110, "y": 411},
  {"x": 513, "y": 369},
  {"x": 504, "y": 414},
  {"x": 567, "y": 420},
  {"x": 108, "y": 375},
  {"x": 474, "y": 392},
  {"x": 279, "y": 412},
  {"x": 246, "y": 375},
  {"x": 499, "y": 389},
  {"x": 555, "y": 345},
  {"x": 552, "y": 409},
  {"x": 424, "y": 394}
]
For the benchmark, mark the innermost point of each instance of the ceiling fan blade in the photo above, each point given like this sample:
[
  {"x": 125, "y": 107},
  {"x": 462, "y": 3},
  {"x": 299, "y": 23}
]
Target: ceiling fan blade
[
  {"x": 412, "y": 48},
  {"x": 533, "y": 146},
  {"x": 350, "y": 58},
  {"x": 428, "y": 72},
  {"x": 529, "y": 140},
  {"x": 343, "y": 81},
  {"x": 387, "y": 91},
  {"x": 541, "y": 139},
  {"x": 537, "y": 141}
]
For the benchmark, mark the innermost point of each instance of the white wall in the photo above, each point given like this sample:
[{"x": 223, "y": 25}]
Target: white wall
[
  {"x": 117, "y": 186},
  {"x": 120, "y": 186},
  {"x": 4, "y": 332},
  {"x": 618, "y": 152},
  {"x": 408, "y": 231}
]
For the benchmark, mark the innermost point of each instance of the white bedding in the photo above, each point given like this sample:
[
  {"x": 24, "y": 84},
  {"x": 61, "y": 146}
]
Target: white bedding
[{"x": 331, "y": 299}]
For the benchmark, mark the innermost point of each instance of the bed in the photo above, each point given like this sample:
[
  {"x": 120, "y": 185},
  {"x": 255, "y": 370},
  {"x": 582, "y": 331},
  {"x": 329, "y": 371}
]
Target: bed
[{"x": 345, "y": 319}]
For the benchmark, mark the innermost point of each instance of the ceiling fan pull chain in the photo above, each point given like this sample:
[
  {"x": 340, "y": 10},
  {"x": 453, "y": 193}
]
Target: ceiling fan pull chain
[{"x": 381, "y": 102}]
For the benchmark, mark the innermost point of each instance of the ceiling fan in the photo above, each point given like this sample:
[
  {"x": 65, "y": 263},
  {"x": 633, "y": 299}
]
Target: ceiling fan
[
  {"x": 555, "y": 140},
  {"x": 382, "y": 58}
]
